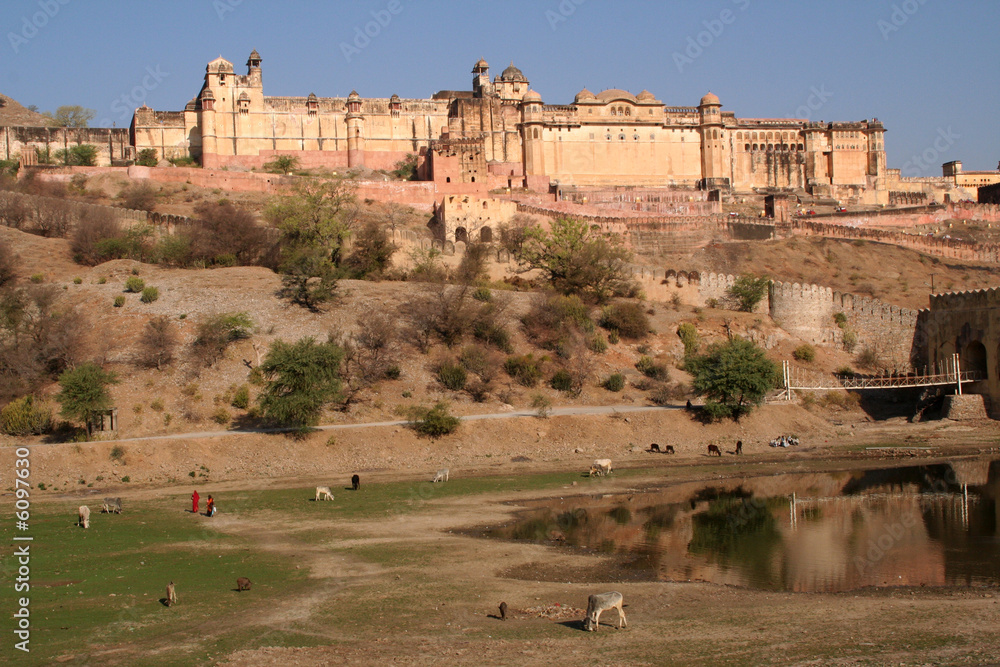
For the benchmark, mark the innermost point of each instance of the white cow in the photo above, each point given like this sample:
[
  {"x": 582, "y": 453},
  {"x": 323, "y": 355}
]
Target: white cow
[
  {"x": 323, "y": 493},
  {"x": 602, "y": 602},
  {"x": 601, "y": 467},
  {"x": 440, "y": 476},
  {"x": 84, "y": 516}
]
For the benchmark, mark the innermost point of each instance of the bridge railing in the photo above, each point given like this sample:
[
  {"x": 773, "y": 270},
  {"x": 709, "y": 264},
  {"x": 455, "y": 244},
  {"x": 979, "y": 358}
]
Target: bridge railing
[{"x": 946, "y": 373}]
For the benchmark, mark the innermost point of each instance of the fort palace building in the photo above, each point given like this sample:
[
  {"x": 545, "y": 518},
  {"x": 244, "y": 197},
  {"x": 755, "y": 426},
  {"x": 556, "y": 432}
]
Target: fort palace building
[{"x": 502, "y": 134}]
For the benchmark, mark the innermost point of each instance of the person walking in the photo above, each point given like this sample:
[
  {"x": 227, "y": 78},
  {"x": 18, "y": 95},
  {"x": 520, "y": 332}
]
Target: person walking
[
  {"x": 194, "y": 502},
  {"x": 210, "y": 507}
]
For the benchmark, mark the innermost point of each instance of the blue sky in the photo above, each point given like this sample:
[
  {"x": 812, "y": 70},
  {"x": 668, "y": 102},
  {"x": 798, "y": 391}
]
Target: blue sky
[{"x": 927, "y": 68}]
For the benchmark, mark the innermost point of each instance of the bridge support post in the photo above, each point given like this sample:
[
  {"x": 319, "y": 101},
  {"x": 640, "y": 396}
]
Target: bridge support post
[{"x": 958, "y": 372}]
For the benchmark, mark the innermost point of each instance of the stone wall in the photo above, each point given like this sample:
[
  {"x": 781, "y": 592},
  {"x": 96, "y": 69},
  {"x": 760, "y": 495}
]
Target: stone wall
[{"x": 113, "y": 144}]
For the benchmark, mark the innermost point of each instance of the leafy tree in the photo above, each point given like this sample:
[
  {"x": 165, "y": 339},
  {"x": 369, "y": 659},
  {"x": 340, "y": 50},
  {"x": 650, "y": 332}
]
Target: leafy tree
[
  {"x": 216, "y": 333},
  {"x": 84, "y": 155},
  {"x": 282, "y": 164},
  {"x": 147, "y": 158},
  {"x": 72, "y": 115},
  {"x": 84, "y": 394},
  {"x": 576, "y": 260},
  {"x": 748, "y": 290},
  {"x": 372, "y": 251},
  {"x": 734, "y": 376},
  {"x": 688, "y": 334},
  {"x": 300, "y": 378},
  {"x": 406, "y": 169},
  {"x": 222, "y": 228},
  {"x": 25, "y": 416},
  {"x": 309, "y": 277},
  {"x": 627, "y": 318},
  {"x": 314, "y": 216}
]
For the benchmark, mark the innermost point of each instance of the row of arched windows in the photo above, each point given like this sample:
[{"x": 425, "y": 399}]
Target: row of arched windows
[
  {"x": 774, "y": 147},
  {"x": 621, "y": 111}
]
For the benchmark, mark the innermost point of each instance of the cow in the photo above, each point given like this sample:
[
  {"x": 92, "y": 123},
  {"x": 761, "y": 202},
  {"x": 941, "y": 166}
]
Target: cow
[
  {"x": 601, "y": 467},
  {"x": 355, "y": 482},
  {"x": 112, "y": 505},
  {"x": 243, "y": 584},
  {"x": 323, "y": 493},
  {"x": 654, "y": 448},
  {"x": 714, "y": 449},
  {"x": 171, "y": 594},
  {"x": 84, "y": 514},
  {"x": 602, "y": 602},
  {"x": 440, "y": 476},
  {"x": 669, "y": 449},
  {"x": 739, "y": 446},
  {"x": 503, "y": 611}
]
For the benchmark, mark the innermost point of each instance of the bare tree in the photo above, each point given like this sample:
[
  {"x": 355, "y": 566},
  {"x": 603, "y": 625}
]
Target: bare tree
[
  {"x": 158, "y": 343},
  {"x": 13, "y": 211},
  {"x": 369, "y": 352}
]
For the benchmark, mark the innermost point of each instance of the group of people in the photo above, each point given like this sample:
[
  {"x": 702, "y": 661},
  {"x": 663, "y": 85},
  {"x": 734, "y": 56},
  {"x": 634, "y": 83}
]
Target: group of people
[
  {"x": 209, "y": 506},
  {"x": 785, "y": 441}
]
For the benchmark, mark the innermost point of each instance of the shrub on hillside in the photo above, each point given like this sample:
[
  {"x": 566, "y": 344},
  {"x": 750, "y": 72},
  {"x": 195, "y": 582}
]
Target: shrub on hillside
[
  {"x": 433, "y": 422},
  {"x": 614, "y": 382},
  {"x": 651, "y": 369},
  {"x": 628, "y": 319},
  {"x": 134, "y": 284},
  {"x": 452, "y": 375},
  {"x": 139, "y": 196},
  {"x": 149, "y": 295},
  {"x": 25, "y": 416},
  {"x": 688, "y": 334},
  {"x": 525, "y": 369},
  {"x": 804, "y": 352}
]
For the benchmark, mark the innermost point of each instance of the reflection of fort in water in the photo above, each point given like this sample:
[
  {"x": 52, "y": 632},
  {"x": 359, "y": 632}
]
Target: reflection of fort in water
[{"x": 931, "y": 525}]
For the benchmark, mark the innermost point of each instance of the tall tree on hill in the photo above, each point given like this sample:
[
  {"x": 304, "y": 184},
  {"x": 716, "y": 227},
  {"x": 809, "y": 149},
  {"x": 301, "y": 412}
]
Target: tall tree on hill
[
  {"x": 576, "y": 259},
  {"x": 84, "y": 394},
  {"x": 314, "y": 225},
  {"x": 300, "y": 379},
  {"x": 72, "y": 115},
  {"x": 734, "y": 376}
]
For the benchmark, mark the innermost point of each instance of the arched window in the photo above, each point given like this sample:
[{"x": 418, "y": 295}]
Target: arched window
[
  {"x": 755, "y": 146},
  {"x": 614, "y": 112},
  {"x": 747, "y": 147},
  {"x": 484, "y": 206},
  {"x": 628, "y": 111},
  {"x": 536, "y": 133}
]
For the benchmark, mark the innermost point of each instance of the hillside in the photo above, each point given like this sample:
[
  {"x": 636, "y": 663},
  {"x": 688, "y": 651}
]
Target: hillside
[{"x": 12, "y": 113}]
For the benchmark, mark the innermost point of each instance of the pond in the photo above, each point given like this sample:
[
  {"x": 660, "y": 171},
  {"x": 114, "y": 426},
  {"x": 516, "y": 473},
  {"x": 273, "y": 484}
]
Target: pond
[{"x": 929, "y": 525}]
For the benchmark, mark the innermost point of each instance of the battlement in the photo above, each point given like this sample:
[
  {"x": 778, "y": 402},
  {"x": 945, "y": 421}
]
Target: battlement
[{"x": 967, "y": 300}]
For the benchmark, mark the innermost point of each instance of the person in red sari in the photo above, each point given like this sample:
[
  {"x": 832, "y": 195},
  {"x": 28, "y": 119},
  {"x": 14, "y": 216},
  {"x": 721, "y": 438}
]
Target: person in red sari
[{"x": 194, "y": 502}]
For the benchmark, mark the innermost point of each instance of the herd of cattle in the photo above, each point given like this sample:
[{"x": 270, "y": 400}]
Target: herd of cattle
[{"x": 595, "y": 603}]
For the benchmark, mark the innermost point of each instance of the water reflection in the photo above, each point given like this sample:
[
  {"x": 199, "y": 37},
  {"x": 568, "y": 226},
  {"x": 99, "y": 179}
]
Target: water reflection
[{"x": 928, "y": 525}]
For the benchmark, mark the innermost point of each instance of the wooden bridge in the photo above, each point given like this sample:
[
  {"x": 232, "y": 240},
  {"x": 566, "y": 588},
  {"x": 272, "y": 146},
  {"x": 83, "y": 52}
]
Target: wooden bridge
[{"x": 949, "y": 373}]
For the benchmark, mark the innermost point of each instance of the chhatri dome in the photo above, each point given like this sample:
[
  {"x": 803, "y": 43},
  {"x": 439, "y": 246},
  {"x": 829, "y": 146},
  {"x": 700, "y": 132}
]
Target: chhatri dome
[
  {"x": 710, "y": 98},
  {"x": 513, "y": 74},
  {"x": 584, "y": 96}
]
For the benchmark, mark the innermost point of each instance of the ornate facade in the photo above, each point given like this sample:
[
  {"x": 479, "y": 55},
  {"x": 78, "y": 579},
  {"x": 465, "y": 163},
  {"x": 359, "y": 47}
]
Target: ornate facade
[{"x": 502, "y": 134}]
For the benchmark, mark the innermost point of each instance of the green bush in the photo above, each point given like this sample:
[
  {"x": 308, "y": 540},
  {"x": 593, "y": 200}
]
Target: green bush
[
  {"x": 25, "y": 416},
  {"x": 493, "y": 334},
  {"x": 614, "y": 382},
  {"x": 146, "y": 158},
  {"x": 628, "y": 319},
  {"x": 651, "y": 369},
  {"x": 613, "y": 337},
  {"x": 117, "y": 453},
  {"x": 483, "y": 294},
  {"x": 850, "y": 340},
  {"x": 525, "y": 369},
  {"x": 37, "y": 277},
  {"x": 77, "y": 281},
  {"x": 452, "y": 375},
  {"x": 119, "y": 301},
  {"x": 149, "y": 295},
  {"x": 134, "y": 284},
  {"x": 597, "y": 344},
  {"x": 804, "y": 352},
  {"x": 433, "y": 422},
  {"x": 241, "y": 399},
  {"x": 102, "y": 280},
  {"x": 562, "y": 380},
  {"x": 845, "y": 370},
  {"x": 221, "y": 416},
  {"x": 689, "y": 336},
  {"x": 840, "y": 319}
]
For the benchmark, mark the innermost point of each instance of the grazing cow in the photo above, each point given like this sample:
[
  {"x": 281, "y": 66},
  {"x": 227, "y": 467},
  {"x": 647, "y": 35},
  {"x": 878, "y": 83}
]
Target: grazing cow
[
  {"x": 714, "y": 449},
  {"x": 355, "y": 482},
  {"x": 243, "y": 584},
  {"x": 171, "y": 594},
  {"x": 503, "y": 611},
  {"x": 601, "y": 467},
  {"x": 112, "y": 505},
  {"x": 84, "y": 514},
  {"x": 669, "y": 449},
  {"x": 602, "y": 602},
  {"x": 739, "y": 446},
  {"x": 654, "y": 448},
  {"x": 440, "y": 476},
  {"x": 689, "y": 407},
  {"x": 323, "y": 493}
]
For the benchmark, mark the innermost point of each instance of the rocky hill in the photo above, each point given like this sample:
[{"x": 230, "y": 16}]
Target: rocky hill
[{"x": 13, "y": 113}]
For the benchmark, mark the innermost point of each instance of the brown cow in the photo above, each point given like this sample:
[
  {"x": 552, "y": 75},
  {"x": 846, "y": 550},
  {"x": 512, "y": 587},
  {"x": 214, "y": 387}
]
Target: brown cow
[
  {"x": 503, "y": 611},
  {"x": 171, "y": 594},
  {"x": 739, "y": 446},
  {"x": 243, "y": 584},
  {"x": 714, "y": 449},
  {"x": 669, "y": 449}
]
